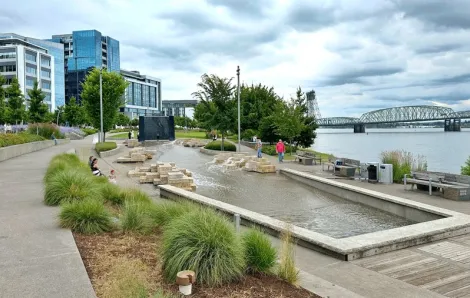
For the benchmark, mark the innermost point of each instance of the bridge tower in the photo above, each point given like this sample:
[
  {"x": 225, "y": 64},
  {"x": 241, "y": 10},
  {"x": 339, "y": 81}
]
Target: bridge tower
[{"x": 312, "y": 105}]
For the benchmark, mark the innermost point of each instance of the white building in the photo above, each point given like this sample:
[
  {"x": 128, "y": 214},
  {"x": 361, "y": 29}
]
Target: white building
[
  {"x": 28, "y": 63},
  {"x": 143, "y": 95}
]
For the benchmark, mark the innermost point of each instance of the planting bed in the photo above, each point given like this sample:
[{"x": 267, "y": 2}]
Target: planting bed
[{"x": 100, "y": 252}]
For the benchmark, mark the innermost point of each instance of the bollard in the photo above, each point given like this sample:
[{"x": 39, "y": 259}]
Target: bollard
[{"x": 237, "y": 222}]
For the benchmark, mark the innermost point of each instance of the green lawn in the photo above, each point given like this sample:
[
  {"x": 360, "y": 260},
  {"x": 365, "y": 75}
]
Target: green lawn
[
  {"x": 123, "y": 135},
  {"x": 182, "y": 134}
]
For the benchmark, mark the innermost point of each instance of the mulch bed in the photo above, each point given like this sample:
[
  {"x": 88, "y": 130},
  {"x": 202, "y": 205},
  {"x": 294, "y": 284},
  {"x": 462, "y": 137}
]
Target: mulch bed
[{"x": 94, "y": 248}]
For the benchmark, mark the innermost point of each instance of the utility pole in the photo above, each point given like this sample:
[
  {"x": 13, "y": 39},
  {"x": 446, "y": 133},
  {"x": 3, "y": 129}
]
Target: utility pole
[
  {"x": 238, "y": 95},
  {"x": 101, "y": 104}
]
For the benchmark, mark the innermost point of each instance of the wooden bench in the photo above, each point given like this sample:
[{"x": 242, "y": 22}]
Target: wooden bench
[
  {"x": 453, "y": 186},
  {"x": 306, "y": 158}
]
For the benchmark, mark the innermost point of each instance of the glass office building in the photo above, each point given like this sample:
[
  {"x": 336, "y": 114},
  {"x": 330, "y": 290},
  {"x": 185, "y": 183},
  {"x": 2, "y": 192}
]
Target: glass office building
[
  {"x": 177, "y": 107},
  {"x": 57, "y": 51},
  {"x": 83, "y": 51},
  {"x": 143, "y": 96}
]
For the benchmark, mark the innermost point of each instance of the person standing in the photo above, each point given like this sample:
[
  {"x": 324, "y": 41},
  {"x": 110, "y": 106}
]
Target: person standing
[
  {"x": 54, "y": 138},
  {"x": 259, "y": 146},
  {"x": 280, "y": 150},
  {"x": 129, "y": 135}
]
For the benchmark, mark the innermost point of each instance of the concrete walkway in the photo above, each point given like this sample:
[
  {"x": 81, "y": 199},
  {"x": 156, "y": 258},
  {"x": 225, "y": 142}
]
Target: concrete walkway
[{"x": 37, "y": 258}]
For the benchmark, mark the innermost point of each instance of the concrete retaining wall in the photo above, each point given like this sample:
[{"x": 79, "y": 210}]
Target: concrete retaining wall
[
  {"x": 17, "y": 150},
  {"x": 111, "y": 152},
  {"x": 367, "y": 197},
  {"x": 210, "y": 152}
]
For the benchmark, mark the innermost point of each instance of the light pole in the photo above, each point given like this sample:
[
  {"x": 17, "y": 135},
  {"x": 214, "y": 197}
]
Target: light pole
[
  {"x": 101, "y": 105},
  {"x": 238, "y": 95}
]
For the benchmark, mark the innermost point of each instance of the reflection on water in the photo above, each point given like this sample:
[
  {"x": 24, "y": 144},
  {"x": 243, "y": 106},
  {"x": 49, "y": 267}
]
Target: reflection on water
[{"x": 279, "y": 197}]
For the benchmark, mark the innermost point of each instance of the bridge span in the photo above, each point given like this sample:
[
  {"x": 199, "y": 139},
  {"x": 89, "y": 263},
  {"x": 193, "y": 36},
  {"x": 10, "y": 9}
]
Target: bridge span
[{"x": 421, "y": 113}]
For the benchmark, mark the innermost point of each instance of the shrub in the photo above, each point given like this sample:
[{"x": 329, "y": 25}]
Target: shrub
[
  {"x": 248, "y": 134},
  {"x": 70, "y": 185},
  {"x": 135, "y": 195},
  {"x": 163, "y": 214},
  {"x": 205, "y": 242},
  {"x": 9, "y": 139},
  {"x": 216, "y": 145},
  {"x": 63, "y": 162},
  {"x": 162, "y": 294},
  {"x": 87, "y": 216},
  {"x": 105, "y": 146},
  {"x": 465, "y": 169},
  {"x": 136, "y": 217},
  {"x": 45, "y": 130},
  {"x": 286, "y": 269},
  {"x": 260, "y": 255},
  {"x": 403, "y": 163},
  {"x": 89, "y": 131},
  {"x": 112, "y": 193},
  {"x": 271, "y": 149}
]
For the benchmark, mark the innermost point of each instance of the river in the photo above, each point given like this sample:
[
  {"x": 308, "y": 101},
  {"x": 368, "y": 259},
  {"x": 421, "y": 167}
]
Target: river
[{"x": 444, "y": 151}]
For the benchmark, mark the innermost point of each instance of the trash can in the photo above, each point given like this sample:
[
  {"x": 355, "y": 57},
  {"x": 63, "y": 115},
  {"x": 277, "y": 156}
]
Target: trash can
[{"x": 372, "y": 171}]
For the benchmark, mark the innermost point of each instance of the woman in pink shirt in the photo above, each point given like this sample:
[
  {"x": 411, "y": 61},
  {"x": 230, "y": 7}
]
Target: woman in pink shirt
[{"x": 280, "y": 149}]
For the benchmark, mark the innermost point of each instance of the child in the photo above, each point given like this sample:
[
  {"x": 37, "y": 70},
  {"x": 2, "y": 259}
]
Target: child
[{"x": 112, "y": 177}]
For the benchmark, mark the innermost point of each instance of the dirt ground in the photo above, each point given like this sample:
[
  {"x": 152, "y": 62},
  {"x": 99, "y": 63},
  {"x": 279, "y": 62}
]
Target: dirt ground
[{"x": 100, "y": 252}]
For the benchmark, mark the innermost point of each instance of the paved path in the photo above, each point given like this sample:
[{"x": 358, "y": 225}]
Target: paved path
[{"x": 37, "y": 258}]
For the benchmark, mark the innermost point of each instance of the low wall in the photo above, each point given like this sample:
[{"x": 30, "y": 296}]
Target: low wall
[
  {"x": 17, "y": 150},
  {"x": 367, "y": 197},
  {"x": 211, "y": 152},
  {"x": 111, "y": 152}
]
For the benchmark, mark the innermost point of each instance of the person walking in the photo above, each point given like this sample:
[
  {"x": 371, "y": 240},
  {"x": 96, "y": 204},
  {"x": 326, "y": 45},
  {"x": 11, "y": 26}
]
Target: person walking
[
  {"x": 259, "y": 146},
  {"x": 280, "y": 150},
  {"x": 129, "y": 135},
  {"x": 54, "y": 138}
]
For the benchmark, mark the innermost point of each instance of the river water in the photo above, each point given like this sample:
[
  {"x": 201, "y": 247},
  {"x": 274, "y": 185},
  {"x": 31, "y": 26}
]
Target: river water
[
  {"x": 444, "y": 151},
  {"x": 280, "y": 197}
]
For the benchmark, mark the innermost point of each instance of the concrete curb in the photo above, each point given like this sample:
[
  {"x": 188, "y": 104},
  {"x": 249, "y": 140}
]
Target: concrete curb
[
  {"x": 18, "y": 150},
  {"x": 111, "y": 152},
  {"x": 213, "y": 152}
]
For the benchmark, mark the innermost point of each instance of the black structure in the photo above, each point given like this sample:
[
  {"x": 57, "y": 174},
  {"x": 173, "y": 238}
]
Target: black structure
[
  {"x": 452, "y": 125},
  {"x": 73, "y": 83},
  {"x": 153, "y": 128}
]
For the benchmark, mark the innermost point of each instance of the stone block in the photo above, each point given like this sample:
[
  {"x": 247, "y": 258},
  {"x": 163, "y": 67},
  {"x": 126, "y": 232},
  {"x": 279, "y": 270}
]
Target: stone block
[
  {"x": 193, "y": 187},
  {"x": 123, "y": 159},
  {"x": 144, "y": 169},
  {"x": 175, "y": 175},
  {"x": 189, "y": 174},
  {"x": 135, "y": 174},
  {"x": 157, "y": 182}
]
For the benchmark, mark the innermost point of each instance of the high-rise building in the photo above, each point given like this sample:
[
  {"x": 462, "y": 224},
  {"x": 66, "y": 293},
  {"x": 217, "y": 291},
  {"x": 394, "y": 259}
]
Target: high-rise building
[
  {"x": 57, "y": 51},
  {"x": 143, "y": 95},
  {"x": 177, "y": 107},
  {"x": 28, "y": 62},
  {"x": 84, "y": 50}
]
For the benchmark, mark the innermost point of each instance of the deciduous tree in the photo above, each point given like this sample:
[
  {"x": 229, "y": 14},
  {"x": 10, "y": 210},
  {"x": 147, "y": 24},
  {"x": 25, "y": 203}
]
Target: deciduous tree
[
  {"x": 74, "y": 114},
  {"x": 3, "y": 106}
]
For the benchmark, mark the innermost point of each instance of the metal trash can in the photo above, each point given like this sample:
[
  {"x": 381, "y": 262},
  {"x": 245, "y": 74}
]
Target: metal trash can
[{"x": 372, "y": 173}]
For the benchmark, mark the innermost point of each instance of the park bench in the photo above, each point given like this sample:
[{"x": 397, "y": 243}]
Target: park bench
[
  {"x": 306, "y": 158},
  {"x": 347, "y": 169},
  {"x": 453, "y": 186}
]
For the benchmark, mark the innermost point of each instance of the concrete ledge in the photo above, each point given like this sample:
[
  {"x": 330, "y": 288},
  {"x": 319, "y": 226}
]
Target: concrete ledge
[
  {"x": 347, "y": 249},
  {"x": 111, "y": 152},
  {"x": 213, "y": 152},
  {"x": 17, "y": 150}
]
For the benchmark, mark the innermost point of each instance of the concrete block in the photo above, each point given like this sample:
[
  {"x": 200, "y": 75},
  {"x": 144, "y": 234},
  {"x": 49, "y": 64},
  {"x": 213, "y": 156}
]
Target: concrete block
[{"x": 144, "y": 169}]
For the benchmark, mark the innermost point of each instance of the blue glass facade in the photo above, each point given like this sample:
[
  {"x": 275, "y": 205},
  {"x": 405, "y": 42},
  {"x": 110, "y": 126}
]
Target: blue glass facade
[{"x": 114, "y": 58}]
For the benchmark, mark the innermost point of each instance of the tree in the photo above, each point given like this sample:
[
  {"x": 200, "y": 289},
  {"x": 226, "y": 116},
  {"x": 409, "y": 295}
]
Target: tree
[
  {"x": 288, "y": 121},
  {"x": 465, "y": 169},
  {"x": 15, "y": 104},
  {"x": 3, "y": 106},
  {"x": 74, "y": 114},
  {"x": 37, "y": 108},
  {"x": 114, "y": 86},
  {"x": 123, "y": 120},
  {"x": 59, "y": 115},
  {"x": 216, "y": 95}
]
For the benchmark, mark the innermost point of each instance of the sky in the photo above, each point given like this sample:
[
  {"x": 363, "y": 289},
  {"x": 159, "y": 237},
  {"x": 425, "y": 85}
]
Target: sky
[{"x": 357, "y": 55}]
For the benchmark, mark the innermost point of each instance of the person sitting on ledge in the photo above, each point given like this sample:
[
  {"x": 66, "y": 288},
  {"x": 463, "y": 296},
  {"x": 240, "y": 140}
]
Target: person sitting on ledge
[
  {"x": 90, "y": 161},
  {"x": 112, "y": 177},
  {"x": 94, "y": 169}
]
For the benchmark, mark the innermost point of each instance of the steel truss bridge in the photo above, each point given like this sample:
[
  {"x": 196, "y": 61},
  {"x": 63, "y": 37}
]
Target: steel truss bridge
[{"x": 399, "y": 115}]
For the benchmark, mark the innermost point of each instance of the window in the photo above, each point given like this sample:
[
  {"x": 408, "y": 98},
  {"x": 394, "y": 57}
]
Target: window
[
  {"x": 137, "y": 94},
  {"x": 31, "y": 70},
  {"x": 45, "y": 73},
  {"x": 7, "y": 68},
  {"x": 48, "y": 97},
  {"x": 46, "y": 85},
  {"x": 30, "y": 82},
  {"x": 153, "y": 99},
  {"x": 45, "y": 61},
  {"x": 30, "y": 57},
  {"x": 7, "y": 55}
]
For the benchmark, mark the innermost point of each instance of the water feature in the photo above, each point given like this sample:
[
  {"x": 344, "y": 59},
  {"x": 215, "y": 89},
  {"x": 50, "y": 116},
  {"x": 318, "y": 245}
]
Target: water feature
[
  {"x": 433, "y": 143},
  {"x": 279, "y": 197}
]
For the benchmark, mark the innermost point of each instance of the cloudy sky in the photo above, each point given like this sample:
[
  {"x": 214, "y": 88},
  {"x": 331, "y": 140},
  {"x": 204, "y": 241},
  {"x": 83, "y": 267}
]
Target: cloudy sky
[{"x": 357, "y": 55}]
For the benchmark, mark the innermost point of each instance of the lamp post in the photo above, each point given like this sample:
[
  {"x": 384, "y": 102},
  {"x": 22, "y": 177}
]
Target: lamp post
[
  {"x": 101, "y": 105},
  {"x": 238, "y": 96}
]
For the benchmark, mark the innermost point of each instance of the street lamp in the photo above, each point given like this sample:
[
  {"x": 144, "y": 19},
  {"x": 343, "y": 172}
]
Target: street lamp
[
  {"x": 101, "y": 104},
  {"x": 238, "y": 95}
]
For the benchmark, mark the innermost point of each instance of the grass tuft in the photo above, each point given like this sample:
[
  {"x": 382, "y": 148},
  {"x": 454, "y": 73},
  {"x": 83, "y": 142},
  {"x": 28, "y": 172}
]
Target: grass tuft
[
  {"x": 136, "y": 217},
  {"x": 70, "y": 185},
  {"x": 163, "y": 214},
  {"x": 112, "y": 193},
  {"x": 286, "y": 269},
  {"x": 105, "y": 146},
  {"x": 62, "y": 162},
  {"x": 260, "y": 255},
  {"x": 205, "y": 242},
  {"x": 87, "y": 217},
  {"x": 135, "y": 195}
]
